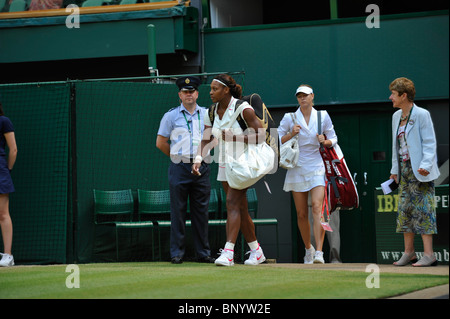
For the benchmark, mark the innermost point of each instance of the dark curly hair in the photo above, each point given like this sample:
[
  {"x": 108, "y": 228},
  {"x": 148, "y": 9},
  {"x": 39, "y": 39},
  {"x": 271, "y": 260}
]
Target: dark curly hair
[{"x": 235, "y": 89}]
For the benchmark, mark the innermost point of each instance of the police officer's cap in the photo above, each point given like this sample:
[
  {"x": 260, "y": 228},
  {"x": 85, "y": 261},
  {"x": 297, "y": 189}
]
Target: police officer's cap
[{"x": 188, "y": 83}]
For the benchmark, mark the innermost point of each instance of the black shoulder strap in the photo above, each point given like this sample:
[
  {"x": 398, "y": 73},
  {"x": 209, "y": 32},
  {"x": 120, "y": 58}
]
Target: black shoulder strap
[
  {"x": 239, "y": 119},
  {"x": 212, "y": 113}
]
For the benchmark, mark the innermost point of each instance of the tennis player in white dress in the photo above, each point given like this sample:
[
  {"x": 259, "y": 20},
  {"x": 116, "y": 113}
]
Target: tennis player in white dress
[{"x": 309, "y": 174}]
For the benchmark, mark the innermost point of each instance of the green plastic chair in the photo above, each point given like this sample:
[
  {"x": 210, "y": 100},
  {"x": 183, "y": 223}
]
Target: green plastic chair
[
  {"x": 214, "y": 203},
  {"x": 252, "y": 200},
  {"x": 154, "y": 206},
  {"x": 113, "y": 208}
]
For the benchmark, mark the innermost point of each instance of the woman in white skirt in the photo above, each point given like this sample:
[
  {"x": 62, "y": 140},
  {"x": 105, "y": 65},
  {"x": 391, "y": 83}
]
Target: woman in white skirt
[{"x": 309, "y": 174}]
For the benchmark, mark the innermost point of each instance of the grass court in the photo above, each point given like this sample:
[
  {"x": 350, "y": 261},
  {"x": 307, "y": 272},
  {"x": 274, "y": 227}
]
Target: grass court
[{"x": 163, "y": 280}]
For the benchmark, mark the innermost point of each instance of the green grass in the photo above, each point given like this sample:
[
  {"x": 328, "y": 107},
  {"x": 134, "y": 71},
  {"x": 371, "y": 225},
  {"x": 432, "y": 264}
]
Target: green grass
[{"x": 192, "y": 280}]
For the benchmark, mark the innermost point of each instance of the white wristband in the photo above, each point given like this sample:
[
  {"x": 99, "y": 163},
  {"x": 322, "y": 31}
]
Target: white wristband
[{"x": 198, "y": 159}]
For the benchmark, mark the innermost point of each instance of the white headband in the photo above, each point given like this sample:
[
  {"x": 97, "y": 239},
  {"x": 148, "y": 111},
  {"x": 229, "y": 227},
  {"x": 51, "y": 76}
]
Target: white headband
[
  {"x": 220, "y": 82},
  {"x": 304, "y": 89}
]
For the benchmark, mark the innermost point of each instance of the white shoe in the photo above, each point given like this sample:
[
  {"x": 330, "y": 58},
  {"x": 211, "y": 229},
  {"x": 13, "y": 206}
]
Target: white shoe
[
  {"x": 226, "y": 258},
  {"x": 309, "y": 255},
  {"x": 318, "y": 257},
  {"x": 7, "y": 260},
  {"x": 256, "y": 257}
]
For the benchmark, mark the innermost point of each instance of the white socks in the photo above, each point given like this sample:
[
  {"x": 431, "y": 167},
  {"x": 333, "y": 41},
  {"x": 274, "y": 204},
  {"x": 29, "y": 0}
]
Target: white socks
[
  {"x": 229, "y": 246},
  {"x": 253, "y": 245}
]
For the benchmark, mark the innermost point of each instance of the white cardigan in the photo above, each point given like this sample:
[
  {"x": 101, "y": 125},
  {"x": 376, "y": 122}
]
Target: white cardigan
[{"x": 421, "y": 143}]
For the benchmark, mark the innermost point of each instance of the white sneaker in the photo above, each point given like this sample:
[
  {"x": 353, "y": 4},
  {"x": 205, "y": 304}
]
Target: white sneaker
[
  {"x": 309, "y": 255},
  {"x": 7, "y": 260},
  {"x": 318, "y": 257},
  {"x": 256, "y": 257},
  {"x": 226, "y": 258}
]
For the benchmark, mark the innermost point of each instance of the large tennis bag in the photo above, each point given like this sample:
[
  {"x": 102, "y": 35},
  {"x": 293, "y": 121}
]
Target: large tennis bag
[
  {"x": 263, "y": 115},
  {"x": 342, "y": 192}
]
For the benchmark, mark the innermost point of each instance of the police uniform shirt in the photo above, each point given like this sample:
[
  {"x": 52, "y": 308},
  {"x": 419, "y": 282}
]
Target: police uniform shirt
[{"x": 184, "y": 131}]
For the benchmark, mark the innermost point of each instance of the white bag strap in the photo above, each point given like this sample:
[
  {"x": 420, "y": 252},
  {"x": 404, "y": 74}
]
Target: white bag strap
[
  {"x": 294, "y": 120},
  {"x": 233, "y": 119},
  {"x": 236, "y": 113}
]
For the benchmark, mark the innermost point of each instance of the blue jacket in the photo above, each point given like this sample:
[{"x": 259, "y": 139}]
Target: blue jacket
[{"x": 421, "y": 142}]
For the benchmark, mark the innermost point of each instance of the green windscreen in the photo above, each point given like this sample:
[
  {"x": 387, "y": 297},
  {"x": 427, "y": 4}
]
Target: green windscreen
[
  {"x": 117, "y": 125},
  {"x": 77, "y": 136},
  {"x": 38, "y": 207}
]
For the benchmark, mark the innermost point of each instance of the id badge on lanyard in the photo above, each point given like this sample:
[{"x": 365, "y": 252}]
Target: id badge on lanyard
[
  {"x": 405, "y": 155},
  {"x": 195, "y": 135}
]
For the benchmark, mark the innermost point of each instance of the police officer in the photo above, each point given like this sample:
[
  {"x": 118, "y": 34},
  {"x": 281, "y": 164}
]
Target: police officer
[{"x": 183, "y": 126}]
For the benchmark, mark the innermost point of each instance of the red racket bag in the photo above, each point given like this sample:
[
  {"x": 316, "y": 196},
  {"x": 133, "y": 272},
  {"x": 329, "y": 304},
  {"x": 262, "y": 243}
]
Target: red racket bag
[{"x": 342, "y": 192}]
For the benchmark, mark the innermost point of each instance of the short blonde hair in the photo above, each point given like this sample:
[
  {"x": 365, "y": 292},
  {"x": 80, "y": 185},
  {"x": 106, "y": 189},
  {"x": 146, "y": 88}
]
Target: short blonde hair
[{"x": 404, "y": 85}]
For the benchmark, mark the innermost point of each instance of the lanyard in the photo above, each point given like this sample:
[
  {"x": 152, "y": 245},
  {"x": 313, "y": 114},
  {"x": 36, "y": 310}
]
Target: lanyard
[
  {"x": 189, "y": 127},
  {"x": 404, "y": 137},
  {"x": 406, "y": 125}
]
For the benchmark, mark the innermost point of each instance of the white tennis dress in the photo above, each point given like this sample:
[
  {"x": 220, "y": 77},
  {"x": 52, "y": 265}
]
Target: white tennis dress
[
  {"x": 310, "y": 170},
  {"x": 221, "y": 124}
]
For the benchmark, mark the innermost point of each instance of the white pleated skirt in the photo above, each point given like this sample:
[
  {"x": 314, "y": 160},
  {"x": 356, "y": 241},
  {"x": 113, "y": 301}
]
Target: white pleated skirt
[{"x": 299, "y": 180}]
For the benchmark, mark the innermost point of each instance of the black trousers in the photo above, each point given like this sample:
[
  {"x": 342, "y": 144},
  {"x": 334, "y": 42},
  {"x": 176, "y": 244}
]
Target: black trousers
[{"x": 183, "y": 185}]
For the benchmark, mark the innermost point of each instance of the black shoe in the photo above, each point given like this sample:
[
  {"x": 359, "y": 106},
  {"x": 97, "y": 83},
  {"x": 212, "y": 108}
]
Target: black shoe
[
  {"x": 207, "y": 259},
  {"x": 177, "y": 260}
]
